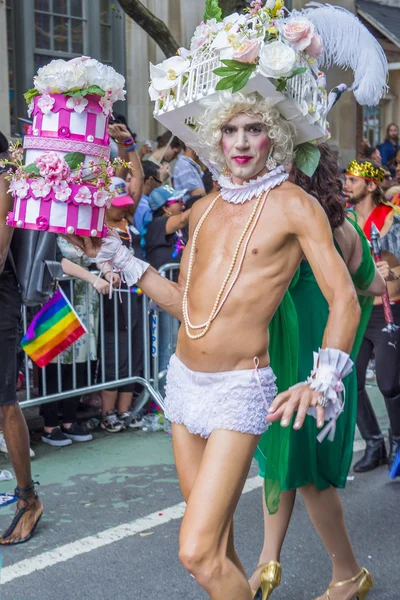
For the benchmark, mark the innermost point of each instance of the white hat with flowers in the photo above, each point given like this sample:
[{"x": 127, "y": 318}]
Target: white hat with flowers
[{"x": 273, "y": 52}]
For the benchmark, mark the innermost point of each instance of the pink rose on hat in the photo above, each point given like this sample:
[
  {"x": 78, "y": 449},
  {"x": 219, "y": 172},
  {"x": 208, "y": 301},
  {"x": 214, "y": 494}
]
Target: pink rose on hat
[
  {"x": 248, "y": 52},
  {"x": 299, "y": 32},
  {"x": 52, "y": 167}
]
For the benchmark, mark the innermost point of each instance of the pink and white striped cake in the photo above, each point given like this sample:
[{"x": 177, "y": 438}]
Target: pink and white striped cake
[{"x": 66, "y": 174}]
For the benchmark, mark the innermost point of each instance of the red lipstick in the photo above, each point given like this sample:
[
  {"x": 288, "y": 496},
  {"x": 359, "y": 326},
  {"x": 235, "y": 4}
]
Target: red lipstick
[{"x": 241, "y": 160}]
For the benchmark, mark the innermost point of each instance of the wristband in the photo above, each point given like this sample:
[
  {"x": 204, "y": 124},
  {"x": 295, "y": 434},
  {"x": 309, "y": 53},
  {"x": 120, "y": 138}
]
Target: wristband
[
  {"x": 123, "y": 261},
  {"x": 130, "y": 148},
  {"x": 330, "y": 367},
  {"x": 129, "y": 141}
]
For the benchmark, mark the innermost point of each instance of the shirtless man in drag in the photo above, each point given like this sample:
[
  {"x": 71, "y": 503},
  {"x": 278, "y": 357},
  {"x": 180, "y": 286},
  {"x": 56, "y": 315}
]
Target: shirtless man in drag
[{"x": 219, "y": 384}]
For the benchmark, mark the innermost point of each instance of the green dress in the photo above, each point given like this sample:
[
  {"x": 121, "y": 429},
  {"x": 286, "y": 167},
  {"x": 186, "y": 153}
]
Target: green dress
[{"x": 288, "y": 458}]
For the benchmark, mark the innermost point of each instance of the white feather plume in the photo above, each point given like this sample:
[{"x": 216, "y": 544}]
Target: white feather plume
[{"x": 348, "y": 44}]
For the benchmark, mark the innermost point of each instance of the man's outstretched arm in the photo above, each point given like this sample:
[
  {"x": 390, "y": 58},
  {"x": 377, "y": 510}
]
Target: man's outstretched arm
[{"x": 308, "y": 222}]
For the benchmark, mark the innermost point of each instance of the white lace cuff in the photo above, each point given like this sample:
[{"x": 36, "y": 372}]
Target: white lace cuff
[
  {"x": 330, "y": 367},
  {"x": 121, "y": 259}
]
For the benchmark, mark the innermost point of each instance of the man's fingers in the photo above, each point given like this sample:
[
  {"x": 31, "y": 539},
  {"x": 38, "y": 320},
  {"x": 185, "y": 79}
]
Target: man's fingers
[
  {"x": 320, "y": 415},
  {"x": 275, "y": 416},
  {"x": 278, "y": 401}
]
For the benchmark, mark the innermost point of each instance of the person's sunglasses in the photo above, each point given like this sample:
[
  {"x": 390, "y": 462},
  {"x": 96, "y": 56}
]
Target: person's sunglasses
[{"x": 175, "y": 201}]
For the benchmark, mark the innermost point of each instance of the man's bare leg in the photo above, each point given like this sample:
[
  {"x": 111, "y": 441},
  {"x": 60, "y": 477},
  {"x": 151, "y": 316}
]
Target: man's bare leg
[
  {"x": 16, "y": 435},
  {"x": 124, "y": 402},
  {"x": 275, "y": 528},
  {"x": 326, "y": 513},
  {"x": 206, "y": 526},
  {"x": 188, "y": 451}
]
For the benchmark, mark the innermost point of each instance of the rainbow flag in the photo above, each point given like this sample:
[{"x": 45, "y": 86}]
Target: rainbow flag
[{"x": 53, "y": 329}]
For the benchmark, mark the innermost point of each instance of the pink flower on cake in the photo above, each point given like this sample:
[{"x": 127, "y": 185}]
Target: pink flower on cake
[
  {"x": 40, "y": 187},
  {"x": 45, "y": 103},
  {"x": 42, "y": 223},
  {"x": 64, "y": 131},
  {"x": 298, "y": 32},
  {"x": 62, "y": 191},
  {"x": 84, "y": 196},
  {"x": 248, "y": 52},
  {"x": 102, "y": 198},
  {"x": 105, "y": 104},
  {"x": 77, "y": 103},
  {"x": 10, "y": 219},
  {"x": 19, "y": 187},
  {"x": 52, "y": 167},
  {"x": 110, "y": 171}
]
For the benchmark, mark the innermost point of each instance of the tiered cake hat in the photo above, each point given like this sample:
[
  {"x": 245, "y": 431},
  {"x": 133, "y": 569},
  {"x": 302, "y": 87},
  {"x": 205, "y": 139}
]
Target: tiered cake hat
[
  {"x": 275, "y": 53},
  {"x": 62, "y": 186}
]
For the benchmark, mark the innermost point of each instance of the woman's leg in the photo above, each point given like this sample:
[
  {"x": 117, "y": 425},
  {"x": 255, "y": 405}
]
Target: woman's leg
[
  {"x": 325, "y": 510},
  {"x": 275, "y": 528},
  {"x": 188, "y": 451},
  {"x": 206, "y": 526}
]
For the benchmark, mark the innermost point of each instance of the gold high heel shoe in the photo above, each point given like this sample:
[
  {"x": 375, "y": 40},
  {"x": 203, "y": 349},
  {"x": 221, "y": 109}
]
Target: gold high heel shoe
[
  {"x": 270, "y": 578},
  {"x": 365, "y": 585}
]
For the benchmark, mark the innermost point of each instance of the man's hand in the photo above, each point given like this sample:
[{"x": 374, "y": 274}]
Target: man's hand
[
  {"x": 299, "y": 399},
  {"x": 144, "y": 150},
  {"x": 164, "y": 172},
  {"x": 385, "y": 270},
  {"x": 114, "y": 277},
  {"x": 88, "y": 245},
  {"x": 119, "y": 132},
  {"x": 101, "y": 286}
]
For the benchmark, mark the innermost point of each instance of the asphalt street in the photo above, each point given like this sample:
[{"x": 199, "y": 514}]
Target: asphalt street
[{"x": 112, "y": 514}]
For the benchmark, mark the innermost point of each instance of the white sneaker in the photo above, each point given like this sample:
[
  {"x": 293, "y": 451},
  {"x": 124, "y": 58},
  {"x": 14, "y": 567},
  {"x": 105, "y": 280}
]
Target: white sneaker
[{"x": 3, "y": 447}]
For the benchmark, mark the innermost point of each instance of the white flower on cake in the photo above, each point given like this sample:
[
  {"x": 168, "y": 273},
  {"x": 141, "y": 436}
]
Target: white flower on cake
[
  {"x": 78, "y": 103},
  {"x": 277, "y": 59},
  {"x": 61, "y": 76},
  {"x": 102, "y": 198},
  {"x": 19, "y": 187},
  {"x": 46, "y": 103},
  {"x": 40, "y": 187},
  {"x": 165, "y": 75},
  {"x": 62, "y": 191},
  {"x": 106, "y": 78},
  {"x": 84, "y": 196}
]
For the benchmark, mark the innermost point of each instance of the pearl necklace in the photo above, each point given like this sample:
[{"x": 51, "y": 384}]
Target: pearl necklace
[{"x": 218, "y": 304}]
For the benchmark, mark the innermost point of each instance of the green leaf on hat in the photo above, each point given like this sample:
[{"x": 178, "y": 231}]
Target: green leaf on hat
[
  {"x": 241, "y": 80},
  {"x": 225, "y": 71},
  {"x": 212, "y": 11},
  {"x": 32, "y": 168},
  {"x": 297, "y": 72},
  {"x": 281, "y": 84},
  {"x": 225, "y": 83},
  {"x": 74, "y": 159},
  {"x": 307, "y": 158},
  {"x": 237, "y": 65}
]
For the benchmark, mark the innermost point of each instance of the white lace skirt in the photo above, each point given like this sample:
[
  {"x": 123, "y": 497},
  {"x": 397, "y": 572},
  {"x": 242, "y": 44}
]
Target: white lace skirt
[{"x": 234, "y": 400}]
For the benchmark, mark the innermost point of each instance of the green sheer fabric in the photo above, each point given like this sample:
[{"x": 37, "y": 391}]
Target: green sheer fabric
[
  {"x": 287, "y": 458},
  {"x": 274, "y": 444}
]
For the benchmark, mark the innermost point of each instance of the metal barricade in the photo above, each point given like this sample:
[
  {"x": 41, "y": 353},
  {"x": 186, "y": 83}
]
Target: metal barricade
[
  {"x": 146, "y": 381},
  {"x": 168, "y": 270}
]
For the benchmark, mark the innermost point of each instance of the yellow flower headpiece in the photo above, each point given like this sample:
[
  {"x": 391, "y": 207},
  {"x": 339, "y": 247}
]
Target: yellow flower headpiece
[{"x": 366, "y": 170}]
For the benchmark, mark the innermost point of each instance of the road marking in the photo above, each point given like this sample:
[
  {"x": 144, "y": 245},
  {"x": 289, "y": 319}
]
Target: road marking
[{"x": 109, "y": 536}]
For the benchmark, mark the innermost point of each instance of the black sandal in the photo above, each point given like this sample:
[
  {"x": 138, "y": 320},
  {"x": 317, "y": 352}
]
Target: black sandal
[{"x": 23, "y": 494}]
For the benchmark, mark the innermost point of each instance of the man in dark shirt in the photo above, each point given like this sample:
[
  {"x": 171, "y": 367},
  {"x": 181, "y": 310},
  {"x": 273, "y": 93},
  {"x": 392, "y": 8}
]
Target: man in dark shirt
[
  {"x": 16, "y": 434},
  {"x": 390, "y": 146}
]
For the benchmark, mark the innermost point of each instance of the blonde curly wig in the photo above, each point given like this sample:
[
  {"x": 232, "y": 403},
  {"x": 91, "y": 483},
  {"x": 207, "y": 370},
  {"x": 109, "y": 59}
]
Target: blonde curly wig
[{"x": 219, "y": 112}]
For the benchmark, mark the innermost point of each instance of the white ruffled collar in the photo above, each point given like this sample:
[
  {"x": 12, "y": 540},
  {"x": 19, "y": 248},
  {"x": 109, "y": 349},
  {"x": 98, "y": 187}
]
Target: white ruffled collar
[{"x": 240, "y": 193}]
